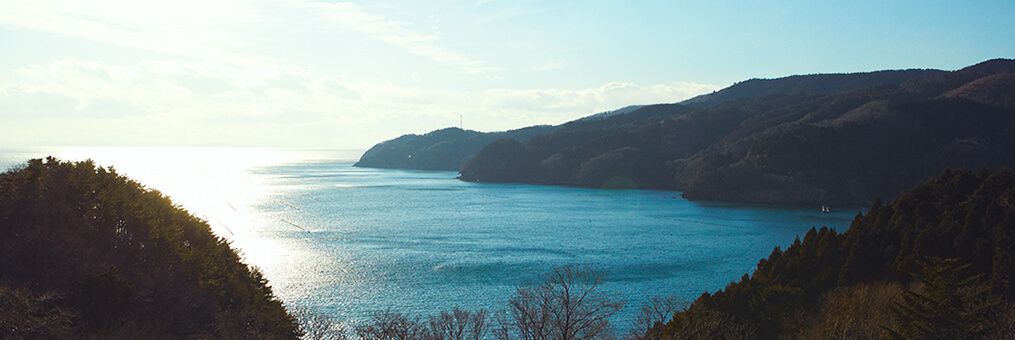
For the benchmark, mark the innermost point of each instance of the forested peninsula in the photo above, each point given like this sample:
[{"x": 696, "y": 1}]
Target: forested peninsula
[
  {"x": 445, "y": 149},
  {"x": 87, "y": 253},
  {"x": 837, "y": 139}
]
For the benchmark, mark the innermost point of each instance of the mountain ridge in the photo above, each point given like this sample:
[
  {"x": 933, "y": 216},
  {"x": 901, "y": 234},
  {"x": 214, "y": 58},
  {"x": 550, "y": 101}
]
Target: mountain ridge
[
  {"x": 799, "y": 140},
  {"x": 803, "y": 149},
  {"x": 825, "y": 83}
]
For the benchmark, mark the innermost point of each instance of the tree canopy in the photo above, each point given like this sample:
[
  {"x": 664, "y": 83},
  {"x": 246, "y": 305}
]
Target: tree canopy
[
  {"x": 964, "y": 217},
  {"x": 95, "y": 253}
]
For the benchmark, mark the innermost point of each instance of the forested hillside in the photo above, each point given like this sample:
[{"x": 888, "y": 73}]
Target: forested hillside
[
  {"x": 448, "y": 149},
  {"x": 87, "y": 253},
  {"x": 799, "y": 148},
  {"x": 809, "y": 84},
  {"x": 938, "y": 263}
]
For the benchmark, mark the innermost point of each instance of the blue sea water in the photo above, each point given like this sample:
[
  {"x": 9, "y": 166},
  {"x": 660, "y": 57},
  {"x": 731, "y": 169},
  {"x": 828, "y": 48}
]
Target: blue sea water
[{"x": 349, "y": 242}]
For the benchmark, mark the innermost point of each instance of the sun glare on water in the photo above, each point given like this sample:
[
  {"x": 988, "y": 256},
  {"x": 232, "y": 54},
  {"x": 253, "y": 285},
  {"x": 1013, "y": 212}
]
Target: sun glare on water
[{"x": 214, "y": 184}]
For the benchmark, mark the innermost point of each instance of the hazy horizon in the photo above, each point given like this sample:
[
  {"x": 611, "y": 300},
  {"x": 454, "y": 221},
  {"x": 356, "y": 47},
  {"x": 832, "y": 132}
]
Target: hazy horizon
[{"x": 346, "y": 75}]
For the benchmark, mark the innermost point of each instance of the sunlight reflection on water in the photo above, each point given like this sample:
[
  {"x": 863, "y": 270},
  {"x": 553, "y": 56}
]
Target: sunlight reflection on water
[{"x": 212, "y": 183}]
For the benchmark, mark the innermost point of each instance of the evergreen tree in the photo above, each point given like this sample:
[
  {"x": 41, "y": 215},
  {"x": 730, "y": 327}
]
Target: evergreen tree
[{"x": 950, "y": 305}]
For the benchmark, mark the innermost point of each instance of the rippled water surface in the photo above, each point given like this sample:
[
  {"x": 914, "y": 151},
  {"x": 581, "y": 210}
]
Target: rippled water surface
[{"x": 349, "y": 241}]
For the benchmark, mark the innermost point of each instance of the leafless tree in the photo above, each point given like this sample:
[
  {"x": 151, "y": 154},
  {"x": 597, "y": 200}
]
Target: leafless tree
[
  {"x": 567, "y": 306},
  {"x": 658, "y": 310},
  {"x": 317, "y": 326},
  {"x": 390, "y": 325},
  {"x": 709, "y": 323},
  {"x": 458, "y": 324}
]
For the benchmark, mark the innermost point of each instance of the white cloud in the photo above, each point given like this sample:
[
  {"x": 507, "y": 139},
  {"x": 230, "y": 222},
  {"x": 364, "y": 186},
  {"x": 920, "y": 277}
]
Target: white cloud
[
  {"x": 211, "y": 29},
  {"x": 396, "y": 33},
  {"x": 186, "y": 28},
  {"x": 174, "y": 102},
  {"x": 192, "y": 90}
]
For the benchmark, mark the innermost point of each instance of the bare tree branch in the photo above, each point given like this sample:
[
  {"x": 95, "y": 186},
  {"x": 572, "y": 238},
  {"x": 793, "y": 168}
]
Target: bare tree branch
[{"x": 567, "y": 306}]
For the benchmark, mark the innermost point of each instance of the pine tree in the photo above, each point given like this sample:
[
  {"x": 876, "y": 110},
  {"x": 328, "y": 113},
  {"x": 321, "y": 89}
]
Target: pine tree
[{"x": 950, "y": 305}]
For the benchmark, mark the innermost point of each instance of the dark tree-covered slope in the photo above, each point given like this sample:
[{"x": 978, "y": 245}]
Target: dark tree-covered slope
[
  {"x": 877, "y": 149},
  {"x": 996, "y": 90},
  {"x": 87, "y": 253},
  {"x": 807, "y": 84},
  {"x": 793, "y": 147},
  {"x": 445, "y": 149},
  {"x": 965, "y": 216},
  {"x": 618, "y": 149},
  {"x": 450, "y": 148}
]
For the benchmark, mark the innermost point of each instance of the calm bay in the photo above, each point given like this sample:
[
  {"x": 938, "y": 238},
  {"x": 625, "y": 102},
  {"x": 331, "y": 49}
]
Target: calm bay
[{"x": 349, "y": 242}]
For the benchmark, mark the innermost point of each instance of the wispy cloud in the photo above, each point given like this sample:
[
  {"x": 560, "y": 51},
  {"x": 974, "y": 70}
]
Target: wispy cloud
[
  {"x": 209, "y": 87},
  {"x": 397, "y": 33},
  {"x": 185, "y": 28},
  {"x": 180, "y": 87},
  {"x": 206, "y": 102},
  {"x": 584, "y": 101},
  {"x": 175, "y": 102}
]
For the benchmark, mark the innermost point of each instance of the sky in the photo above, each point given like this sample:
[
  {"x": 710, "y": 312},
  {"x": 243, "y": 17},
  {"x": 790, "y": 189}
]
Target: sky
[{"x": 327, "y": 74}]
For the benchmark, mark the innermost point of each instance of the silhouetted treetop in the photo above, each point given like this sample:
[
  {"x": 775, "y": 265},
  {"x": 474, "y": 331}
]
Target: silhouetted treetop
[{"x": 123, "y": 260}]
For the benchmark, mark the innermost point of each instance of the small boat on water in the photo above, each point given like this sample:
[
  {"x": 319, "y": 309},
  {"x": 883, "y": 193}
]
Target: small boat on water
[{"x": 825, "y": 209}]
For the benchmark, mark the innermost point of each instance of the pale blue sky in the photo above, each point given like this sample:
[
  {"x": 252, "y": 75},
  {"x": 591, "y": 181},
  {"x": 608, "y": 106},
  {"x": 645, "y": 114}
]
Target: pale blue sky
[{"x": 303, "y": 73}]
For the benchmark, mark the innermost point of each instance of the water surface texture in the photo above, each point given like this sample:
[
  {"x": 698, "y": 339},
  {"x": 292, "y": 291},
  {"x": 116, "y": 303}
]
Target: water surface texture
[{"x": 349, "y": 241}]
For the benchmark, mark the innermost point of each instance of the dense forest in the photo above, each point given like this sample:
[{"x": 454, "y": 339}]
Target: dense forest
[
  {"x": 938, "y": 263},
  {"x": 798, "y": 148},
  {"x": 87, "y": 253}
]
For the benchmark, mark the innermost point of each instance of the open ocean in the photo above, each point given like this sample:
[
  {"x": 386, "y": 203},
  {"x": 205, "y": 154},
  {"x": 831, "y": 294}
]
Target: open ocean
[{"x": 349, "y": 242}]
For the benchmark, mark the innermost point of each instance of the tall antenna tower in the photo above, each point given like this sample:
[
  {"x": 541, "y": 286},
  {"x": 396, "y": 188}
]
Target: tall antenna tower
[{"x": 461, "y": 120}]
